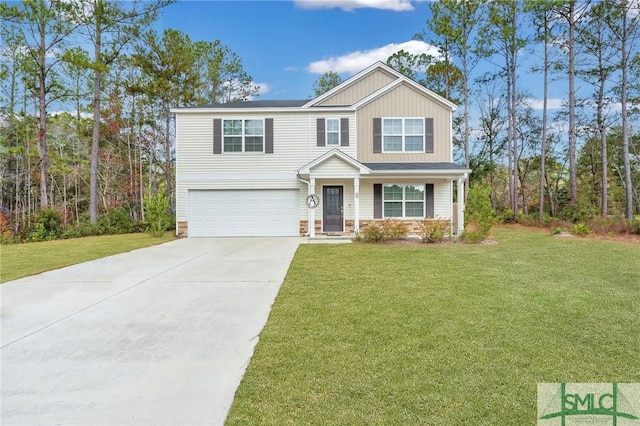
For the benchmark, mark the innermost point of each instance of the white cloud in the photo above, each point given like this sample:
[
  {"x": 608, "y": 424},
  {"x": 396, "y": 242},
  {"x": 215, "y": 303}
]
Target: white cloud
[
  {"x": 263, "y": 88},
  {"x": 290, "y": 69},
  {"x": 349, "y": 5},
  {"x": 552, "y": 103},
  {"x": 359, "y": 60}
]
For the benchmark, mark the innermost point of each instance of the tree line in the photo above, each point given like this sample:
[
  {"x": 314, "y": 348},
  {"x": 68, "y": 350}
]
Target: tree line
[
  {"x": 582, "y": 161},
  {"x": 86, "y": 88}
]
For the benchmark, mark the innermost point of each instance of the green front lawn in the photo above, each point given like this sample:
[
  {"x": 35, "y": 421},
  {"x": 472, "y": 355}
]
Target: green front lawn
[
  {"x": 443, "y": 334},
  {"x": 22, "y": 260}
]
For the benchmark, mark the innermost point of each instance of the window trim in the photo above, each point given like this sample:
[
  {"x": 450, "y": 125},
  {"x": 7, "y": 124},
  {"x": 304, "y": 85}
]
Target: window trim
[
  {"x": 327, "y": 131},
  {"x": 404, "y": 200},
  {"x": 403, "y": 135},
  {"x": 243, "y": 135}
]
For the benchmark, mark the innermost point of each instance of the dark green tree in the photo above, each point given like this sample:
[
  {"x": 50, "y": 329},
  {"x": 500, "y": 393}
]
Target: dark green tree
[{"x": 326, "y": 82}]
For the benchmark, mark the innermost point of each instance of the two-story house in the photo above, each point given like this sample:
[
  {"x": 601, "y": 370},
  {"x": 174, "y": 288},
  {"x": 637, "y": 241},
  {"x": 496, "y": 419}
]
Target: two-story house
[{"x": 377, "y": 146}]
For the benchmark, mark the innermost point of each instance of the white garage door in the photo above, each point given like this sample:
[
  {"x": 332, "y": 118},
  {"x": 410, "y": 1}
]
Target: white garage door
[{"x": 244, "y": 213}]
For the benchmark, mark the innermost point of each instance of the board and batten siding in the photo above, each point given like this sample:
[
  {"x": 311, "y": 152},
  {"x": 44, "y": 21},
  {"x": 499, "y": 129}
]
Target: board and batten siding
[
  {"x": 441, "y": 199},
  {"x": 404, "y": 101},
  {"x": 359, "y": 89},
  {"x": 294, "y": 139}
]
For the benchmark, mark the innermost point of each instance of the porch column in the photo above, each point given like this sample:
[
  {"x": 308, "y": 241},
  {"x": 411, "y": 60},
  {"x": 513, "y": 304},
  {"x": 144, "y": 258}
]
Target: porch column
[
  {"x": 311, "y": 219},
  {"x": 356, "y": 205},
  {"x": 461, "y": 205}
]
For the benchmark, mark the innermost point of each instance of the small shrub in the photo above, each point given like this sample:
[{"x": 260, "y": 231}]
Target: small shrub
[
  {"x": 116, "y": 221},
  {"x": 479, "y": 214},
  {"x": 557, "y": 230},
  {"x": 580, "y": 229},
  {"x": 6, "y": 233},
  {"x": 389, "y": 230},
  {"x": 46, "y": 225},
  {"x": 634, "y": 227},
  {"x": 433, "y": 231},
  {"x": 373, "y": 233},
  {"x": 394, "y": 229},
  {"x": 506, "y": 216},
  {"x": 156, "y": 207},
  {"x": 473, "y": 236},
  {"x": 578, "y": 213}
]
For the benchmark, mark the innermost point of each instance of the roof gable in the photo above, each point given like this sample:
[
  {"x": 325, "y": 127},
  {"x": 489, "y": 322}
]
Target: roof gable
[
  {"x": 334, "y": 154},
  {"x": 398, "y": 79}
]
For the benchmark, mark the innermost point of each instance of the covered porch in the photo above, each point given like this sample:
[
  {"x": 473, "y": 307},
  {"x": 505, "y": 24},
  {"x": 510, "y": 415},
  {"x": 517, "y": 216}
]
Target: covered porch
[{"x": 344, "y": 195}]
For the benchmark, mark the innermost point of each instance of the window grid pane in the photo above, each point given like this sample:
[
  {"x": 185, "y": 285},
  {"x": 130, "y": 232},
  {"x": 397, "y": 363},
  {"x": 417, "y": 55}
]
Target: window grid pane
[
  {"x": 392, "y": 192},
  {"x": 393, "y": 209},
  {"x": 413, "y": 126},
  {"x": 232, "y": 127},
  {"x": 253, "y": 127},
  {"x": 333, "y": 125},
  {"x": 253, "y": 144},
  {"x": 393, "y": 143},
  {"x": 414, "y": 209},
  {"x": 413, "y": 143},
  {"x": 333, "y": 138},
  {"x": 392, "y": 126},
  {"x": 414, "y": 193},
  {"x": 232, "y": 144}
]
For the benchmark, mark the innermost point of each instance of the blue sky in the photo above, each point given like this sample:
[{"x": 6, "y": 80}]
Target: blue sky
[{"x": 286, "y": 45}]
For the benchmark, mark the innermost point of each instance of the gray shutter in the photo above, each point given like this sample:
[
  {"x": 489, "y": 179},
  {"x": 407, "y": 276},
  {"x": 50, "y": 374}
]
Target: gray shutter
[
  {"x": 217, "y": 136},
  {"x": 428, "y": 198},
  {"x": 320, "y": 132},
  {"x": 377, "y": 135},
  {"x": 268, "y": 135},
  {"x": 377, "y": 201},
  {"x": 428, "y": 135},
  {"x": 344, "y": 132}
]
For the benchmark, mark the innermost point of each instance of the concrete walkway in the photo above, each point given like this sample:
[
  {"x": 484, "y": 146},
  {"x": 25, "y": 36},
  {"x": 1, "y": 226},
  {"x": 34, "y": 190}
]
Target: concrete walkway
[{"x": 157, "y": 336}]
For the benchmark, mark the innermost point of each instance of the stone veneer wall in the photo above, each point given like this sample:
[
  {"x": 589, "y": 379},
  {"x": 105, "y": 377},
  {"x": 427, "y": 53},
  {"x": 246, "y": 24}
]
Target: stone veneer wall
[
  {"x": 182, "y": 229},
  {"x": 414, "y": 226}
]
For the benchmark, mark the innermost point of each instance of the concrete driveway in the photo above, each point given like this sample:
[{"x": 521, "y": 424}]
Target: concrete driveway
[{"x": 156, "y": 336}]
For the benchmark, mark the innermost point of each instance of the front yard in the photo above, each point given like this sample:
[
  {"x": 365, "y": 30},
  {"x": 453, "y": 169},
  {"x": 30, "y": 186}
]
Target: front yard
[
  {"x": 22, "y": 260},
  {"x": 442, "y": 334}
]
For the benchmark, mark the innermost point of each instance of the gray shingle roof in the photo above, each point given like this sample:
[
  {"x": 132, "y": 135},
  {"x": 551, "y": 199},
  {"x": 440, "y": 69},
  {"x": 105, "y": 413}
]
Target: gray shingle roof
[
  {"x": 414, "y": 166},
  {"x": 263, "y": 103}
]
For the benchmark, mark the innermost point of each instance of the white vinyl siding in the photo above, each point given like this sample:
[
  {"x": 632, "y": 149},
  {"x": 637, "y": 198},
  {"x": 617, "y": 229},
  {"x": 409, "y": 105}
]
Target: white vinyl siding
[{"x": 294, "y": 143}]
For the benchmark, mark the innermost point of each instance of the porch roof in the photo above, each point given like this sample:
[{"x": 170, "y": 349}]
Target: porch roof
[{"x": 416, "y": 166}]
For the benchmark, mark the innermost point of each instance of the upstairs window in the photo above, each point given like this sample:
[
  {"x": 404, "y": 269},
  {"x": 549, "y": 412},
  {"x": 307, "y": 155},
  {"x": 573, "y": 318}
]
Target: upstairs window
[
  {"x": 243, "y": 135},
  {"x": 333, "y": 131},
  {"x": 403, "y": 134}
]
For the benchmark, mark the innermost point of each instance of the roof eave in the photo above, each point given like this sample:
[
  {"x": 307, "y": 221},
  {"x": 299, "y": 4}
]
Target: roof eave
[
  {"x": 258, "y": 110},
  {"x": 423, "y": 172}
]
